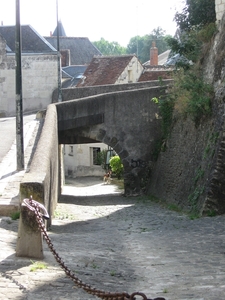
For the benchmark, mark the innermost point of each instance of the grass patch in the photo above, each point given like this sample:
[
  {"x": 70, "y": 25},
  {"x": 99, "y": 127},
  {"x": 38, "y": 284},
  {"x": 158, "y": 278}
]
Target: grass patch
[
  {"x": 94, "y": 266},
  {"x": 62, "y": 216},
  {"x": 37, "y": 265},
  {"x": 15, "y": 215},
  {"x": 193, "y": 216},
  {"x": 174, "y": 207},
  {"x": 211, "y": 213}
]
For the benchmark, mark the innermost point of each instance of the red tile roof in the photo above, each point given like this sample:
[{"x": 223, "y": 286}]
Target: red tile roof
[{"x": 105, "y": 70}]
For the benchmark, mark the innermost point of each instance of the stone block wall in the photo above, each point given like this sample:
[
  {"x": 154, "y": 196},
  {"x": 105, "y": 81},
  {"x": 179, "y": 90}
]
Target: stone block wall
[{"x": 220, "y": 9}]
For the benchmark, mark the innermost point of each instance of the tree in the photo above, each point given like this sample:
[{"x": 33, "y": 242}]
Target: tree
[
  {"x": 196, "y": 25},
  {"x": 196, "y": 13},
  {"x": 109, "y": 48}
]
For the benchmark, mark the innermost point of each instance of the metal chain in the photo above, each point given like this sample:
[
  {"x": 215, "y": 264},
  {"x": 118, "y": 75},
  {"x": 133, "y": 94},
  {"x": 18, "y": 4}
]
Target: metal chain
[
  {"x": 36, "y": 207},
  {"x": 21, "y": 287}
]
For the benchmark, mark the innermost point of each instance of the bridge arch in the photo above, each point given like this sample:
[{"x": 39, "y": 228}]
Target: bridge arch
[{"x": 126, "y": 121}]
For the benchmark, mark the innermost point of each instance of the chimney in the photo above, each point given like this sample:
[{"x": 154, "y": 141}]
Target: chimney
[
  {"x": 153, "y": 55},
  {"x": 1, "y": 23},
  {"x": 50, "y": 33}
]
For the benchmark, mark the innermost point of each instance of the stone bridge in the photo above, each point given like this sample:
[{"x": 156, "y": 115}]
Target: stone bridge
[{"x": 125, "y": 120}]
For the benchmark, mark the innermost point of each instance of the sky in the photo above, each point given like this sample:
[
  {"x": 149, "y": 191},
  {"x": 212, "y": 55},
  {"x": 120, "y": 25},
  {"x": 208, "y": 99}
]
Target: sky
[{"x": 117, "y": 20}]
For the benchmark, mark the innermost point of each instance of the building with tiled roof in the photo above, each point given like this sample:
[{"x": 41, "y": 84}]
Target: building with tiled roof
[
  {"x": 31, "y": 41},
  {"x": 39, "y": 70},
  {"x": 105, "y": 70},
  {"x": 79, "y": 49}
]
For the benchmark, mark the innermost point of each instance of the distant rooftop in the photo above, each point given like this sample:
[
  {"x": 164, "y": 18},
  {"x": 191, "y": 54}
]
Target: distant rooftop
[
  {"x": 81, "y": 49},
  {"x": 105, "y": 69},
  {"x": 31, "y": 40},
  {"x": 61, "y": 30}
]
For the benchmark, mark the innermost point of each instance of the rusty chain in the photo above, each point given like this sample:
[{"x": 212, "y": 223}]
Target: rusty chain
[
  {"x": 10, "y": 277},
  {"x": 40, "y": 213}
]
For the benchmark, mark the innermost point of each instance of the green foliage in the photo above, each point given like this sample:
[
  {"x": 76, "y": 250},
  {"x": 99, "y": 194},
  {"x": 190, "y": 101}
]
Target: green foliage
[
  {"x": 211, "y": 213},
  {"x": 174, "y": 207},
  {"x": 199, "y": 174},
  {"x": 193, "y": 215},
  {"x": 190, "y": 44},
  {"x": 210, "y": 147},
  {"x": 206, "y": 33},
  {"x": 155, "y": 100},
  {"x": 166, "y": 106},
  {"x": 62, "y": 216},
  {"x": 15, "y": 215},
  {"x": 196, "y": 25},
  {"x": 37, "y": 265},
  {"x": 200, "y": 94},
  {"x": 196, "y": 13},
  {"x": 141, "y": 44},
  {"x": 193, "y": 197},
  {"x": 109, "y": 48},
  {"x": 116, "y": 166},
  {"x": 191, "y": 95},
  {"x": 188, "y": 96}
]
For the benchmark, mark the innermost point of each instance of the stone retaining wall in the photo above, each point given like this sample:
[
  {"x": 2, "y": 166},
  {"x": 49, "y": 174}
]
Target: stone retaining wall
[{"x": 42, "y": 182}]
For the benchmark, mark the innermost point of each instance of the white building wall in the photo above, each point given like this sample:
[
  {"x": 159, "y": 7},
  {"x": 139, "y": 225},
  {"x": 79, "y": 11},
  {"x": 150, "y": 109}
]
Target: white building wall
[
  {"x": 78, "y": 160},
  {"x": 39, "y": 79},
  {"x": 220, "y": 9},
  {"x": 131, "y": 73}
]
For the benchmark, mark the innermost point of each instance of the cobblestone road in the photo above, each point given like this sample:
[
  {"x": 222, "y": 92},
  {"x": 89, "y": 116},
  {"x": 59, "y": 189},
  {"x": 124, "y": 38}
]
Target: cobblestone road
[{"x": 118, "y": 243}]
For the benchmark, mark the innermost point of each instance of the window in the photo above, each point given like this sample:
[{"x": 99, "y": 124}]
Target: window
[
  {"x": 130, "y": 76},
  {"x": 96, "y": 153},
  {"x": 71, "y": 151}
]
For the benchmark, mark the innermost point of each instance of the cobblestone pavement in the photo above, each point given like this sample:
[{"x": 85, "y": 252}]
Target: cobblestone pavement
[{"x": 118, "y": 243}]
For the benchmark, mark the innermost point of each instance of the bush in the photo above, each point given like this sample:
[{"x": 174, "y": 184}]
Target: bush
[
  {"x": 198, "y": 103},
  {"x": 116, "y": 166}
]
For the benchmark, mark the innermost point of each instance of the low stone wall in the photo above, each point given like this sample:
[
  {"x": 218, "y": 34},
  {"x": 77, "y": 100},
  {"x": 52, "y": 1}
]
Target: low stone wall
[{"x": 42, "y": 183}]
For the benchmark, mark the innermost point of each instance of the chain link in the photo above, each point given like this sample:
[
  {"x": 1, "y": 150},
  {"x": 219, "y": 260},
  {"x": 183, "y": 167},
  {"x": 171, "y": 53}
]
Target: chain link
[
  {"x": 36, "y": 207},
  {"x": 7, "y": 276}
]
